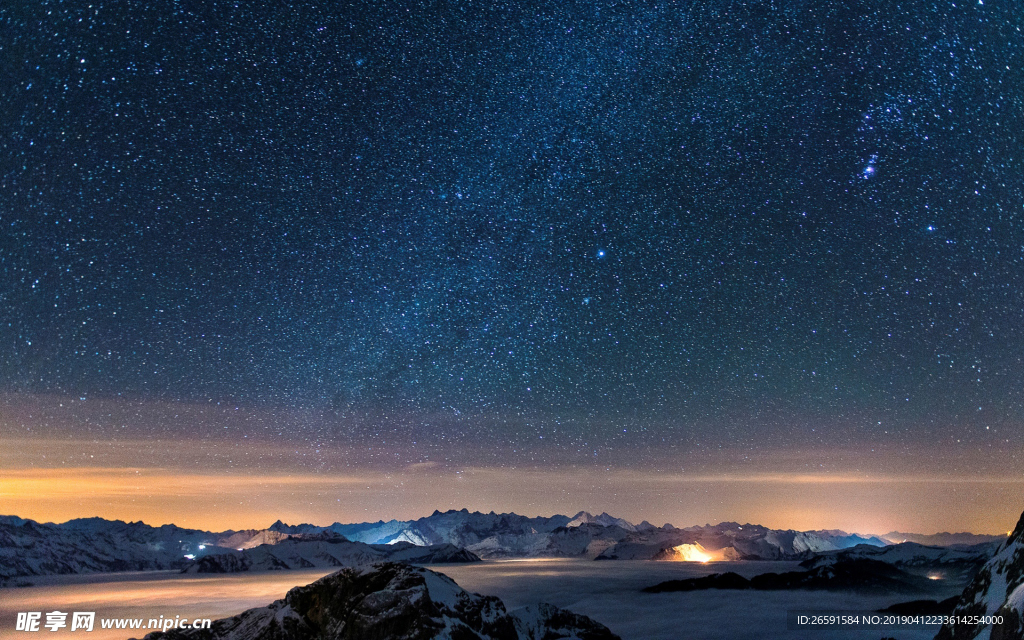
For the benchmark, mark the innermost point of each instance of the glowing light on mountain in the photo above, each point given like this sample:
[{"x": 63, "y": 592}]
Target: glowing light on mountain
[{"x": 689, "y": 553}]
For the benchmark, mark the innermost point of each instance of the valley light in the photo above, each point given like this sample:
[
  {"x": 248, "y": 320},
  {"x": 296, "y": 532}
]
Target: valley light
[{"x": 690, "y": 553}]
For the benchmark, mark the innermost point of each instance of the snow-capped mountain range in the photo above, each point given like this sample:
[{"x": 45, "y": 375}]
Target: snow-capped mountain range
[
  {"x": 324, "y": 550},
  {"x": 733, "y": 541},
  {"x": 95, "y": 545},
  {"x": 955, "y": 563},
  {"x": 605, "y": 537}
]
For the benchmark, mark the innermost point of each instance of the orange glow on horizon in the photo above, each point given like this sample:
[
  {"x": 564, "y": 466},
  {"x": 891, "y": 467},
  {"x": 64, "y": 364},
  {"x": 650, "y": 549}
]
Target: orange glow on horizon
[{"x": 271, "y": 483}]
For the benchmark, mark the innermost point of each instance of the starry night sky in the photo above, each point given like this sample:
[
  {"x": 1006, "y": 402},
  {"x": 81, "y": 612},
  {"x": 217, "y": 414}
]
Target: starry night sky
[{"x": 541, "y": 231}]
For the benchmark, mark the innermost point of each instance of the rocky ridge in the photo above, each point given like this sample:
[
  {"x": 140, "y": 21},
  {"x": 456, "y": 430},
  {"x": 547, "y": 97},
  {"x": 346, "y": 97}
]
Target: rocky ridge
[
  {"x": 859, "y": 574},
  {"x": 324, "y": 550},
  {"x": 391, "y": 601},
  {"x": 958, "y": 563},
  {"x": 497, "y": 536},
  {"x": 997, "y": 590}
]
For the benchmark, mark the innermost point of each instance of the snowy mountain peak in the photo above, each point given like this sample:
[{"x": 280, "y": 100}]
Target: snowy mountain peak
[
  {"x": 605, "y": 520},
  {"x": 279, "y": 527},
  {"x": 1016, "y": 536},
  {"x": 997, "y": 589},
  {"x": 611, "y": 521}
]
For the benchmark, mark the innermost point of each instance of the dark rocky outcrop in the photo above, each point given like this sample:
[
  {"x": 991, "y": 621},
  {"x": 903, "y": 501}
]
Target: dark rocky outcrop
[
  {"x": 858, "y": 575},
  {"x": 390, "y": 601},
  {"x": 728, "y": 580}
]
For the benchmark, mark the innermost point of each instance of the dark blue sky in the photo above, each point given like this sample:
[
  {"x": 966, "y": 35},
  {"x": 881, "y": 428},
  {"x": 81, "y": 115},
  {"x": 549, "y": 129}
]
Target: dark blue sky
[{"x": 550, "y": 226}]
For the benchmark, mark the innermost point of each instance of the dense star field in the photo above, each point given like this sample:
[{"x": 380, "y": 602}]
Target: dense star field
[{"x": 562, "y": 234}]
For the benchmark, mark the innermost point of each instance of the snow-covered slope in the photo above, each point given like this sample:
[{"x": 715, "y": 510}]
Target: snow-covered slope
[
  {"x": 604, "y": 520},
  {"x": 394, "y": 602},
  {"x": 92, "y": 545},
  {"x": 730, "y": 540},
  {"x": 997, "y": 589},
  {"x": 508, "y": 535},
  {"x": 95, "y": 545},
  {"x": 957, "y": 564},
  {"x": 944, "y": 539},
  {"x": 909, "y": 554},
  {"x": 460, "y": 528},
  {"x": 324, "y": 550},
  {"x": 254, "y": 538}
]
